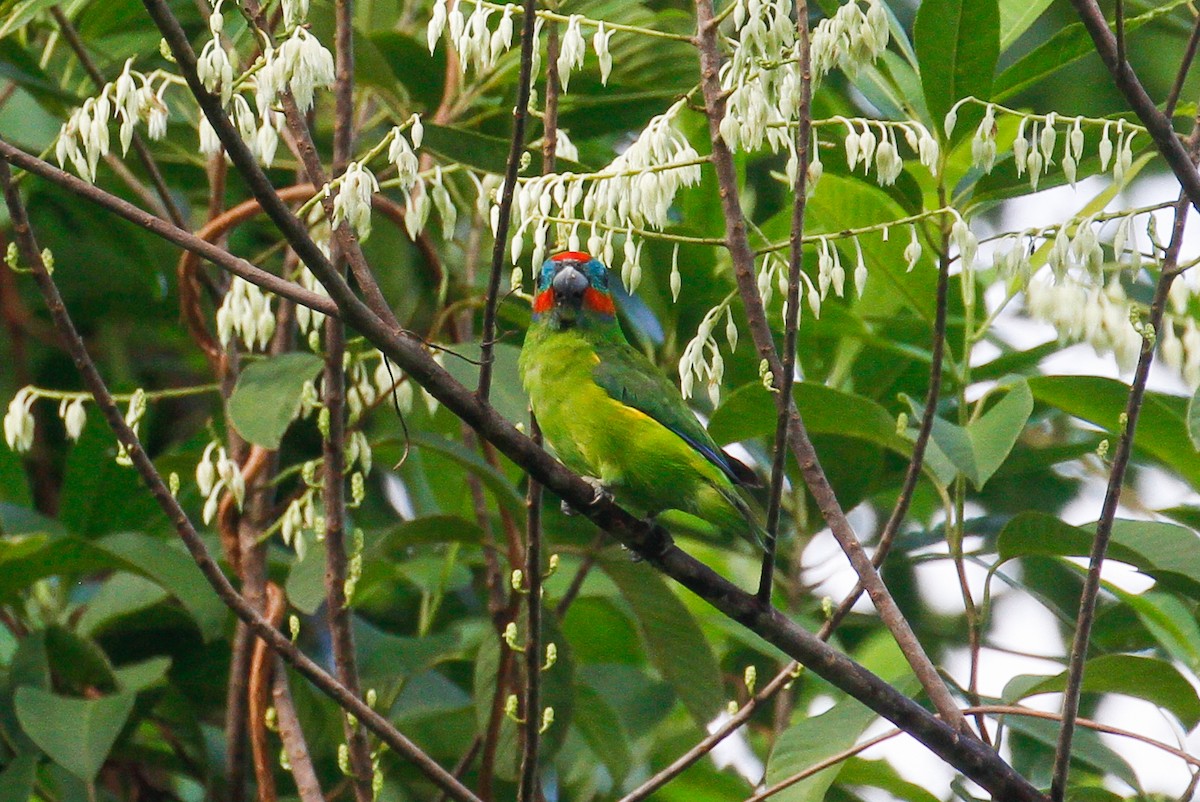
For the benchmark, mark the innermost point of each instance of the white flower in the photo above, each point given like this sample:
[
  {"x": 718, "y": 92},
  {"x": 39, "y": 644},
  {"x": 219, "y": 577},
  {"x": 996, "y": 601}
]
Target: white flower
[
  {"x": 571, "y": 50},
  {"x": 74, "y": 417},
  {"x": 215, "y": 69},
  {"x": 18, "y": 422},
  {"x": 301, "y": 63},
  {"x": 564, "y": 147},
  {"x": 402, "y": 155},
  {"x": 210, "y": 143},
  {"x": 295, "y": 12},
  {"x": 156, "y": 115},
  {"x": 437, "y": 24},
  {"x": 600, "y": 44},
  {"x": 353, "y": 201}
]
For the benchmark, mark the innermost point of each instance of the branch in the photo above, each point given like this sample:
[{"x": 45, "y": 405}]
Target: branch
[
  {"x": 259, "y": 692},
  {"x": 333, "y": 387},
  {"x": 802, "y": 447},
  {"x": 1158, "y": 124},
  {"x": 308, "y": 787},
  {"x": 516, "y": 149},
  {"x": 792, "y": 304},
  {"x": 1185, "y": 64},
  {"x": 1112, "y": 497},
  {"x": 171, "y": 233},
  {"x": 31, "y": 256}
]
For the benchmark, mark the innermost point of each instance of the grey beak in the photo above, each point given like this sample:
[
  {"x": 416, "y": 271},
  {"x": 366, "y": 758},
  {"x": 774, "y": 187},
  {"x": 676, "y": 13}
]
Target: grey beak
[{"x": 569, "y": 285}]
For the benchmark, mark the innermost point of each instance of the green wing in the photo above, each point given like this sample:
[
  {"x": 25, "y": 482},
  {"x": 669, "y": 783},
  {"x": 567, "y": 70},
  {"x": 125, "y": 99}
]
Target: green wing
[{"x": 631, "y": 378}]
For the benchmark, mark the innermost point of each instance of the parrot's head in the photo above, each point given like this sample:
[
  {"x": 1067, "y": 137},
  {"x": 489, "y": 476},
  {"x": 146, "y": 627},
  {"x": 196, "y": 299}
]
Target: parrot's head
[{"x": 573, "y": 290}]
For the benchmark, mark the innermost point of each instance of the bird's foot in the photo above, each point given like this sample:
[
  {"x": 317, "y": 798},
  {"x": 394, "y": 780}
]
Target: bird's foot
[{"x": 599, "y": 493}]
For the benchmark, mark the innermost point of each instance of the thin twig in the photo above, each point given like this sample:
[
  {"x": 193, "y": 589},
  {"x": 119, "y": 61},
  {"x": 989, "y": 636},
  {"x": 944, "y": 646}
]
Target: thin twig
[
  {"x": 171, "y": 233},
  {"x": 792, "y": 305},
  {"x": 308, "y": 787},
  {"x": 262, "y": 666},
  {"x": 527, "y": 789},
  {"x": 139, "y": 145},
  {"x": 1185, "y": 64},
  {"x": 1108, "y": 512},
  {"x": 798, "y": 439},
  {"x": 333, "y": 387},
  {"x": 500, "y": 247}
]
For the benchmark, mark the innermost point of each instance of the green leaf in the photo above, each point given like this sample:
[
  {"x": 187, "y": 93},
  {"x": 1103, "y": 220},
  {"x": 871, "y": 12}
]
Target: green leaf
[
  {"x": 1193, "y": 420},
  {"x": 811, "y": 739},
  {"x": 1087, "y": 750},
  {"x": 494, "y": 480},
  {"x": 979, "y": 449},
  {"x": 673, "y": 640},
  {"x": 1165, "y": 551},
  {"x": 957, "y": 43},
  {"x": 175, "y": 571},
  {"x": 602, "y": 730},
  {"x": 140, "y": 676},
  {"x": 267, "y": 396},
  {"x": 1170, "y": 621},
  {"x": 1162, "y": 425},
  {"x": 1066, "y": 47},
  {"x": 78, "y": 663},
  {"x": 882, "y": 774},
  {"x": 749, "y": 411},
  {"x": 16, "y": 781},
  {"x": 1016, "y": 16},
  {"x": 1156, "y": 681},
  {"x": 77, "y": 734}
]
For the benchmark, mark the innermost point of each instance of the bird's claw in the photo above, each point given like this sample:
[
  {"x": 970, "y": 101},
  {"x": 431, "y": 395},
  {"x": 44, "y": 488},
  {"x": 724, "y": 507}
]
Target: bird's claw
[{"x": 599, "y": 493}]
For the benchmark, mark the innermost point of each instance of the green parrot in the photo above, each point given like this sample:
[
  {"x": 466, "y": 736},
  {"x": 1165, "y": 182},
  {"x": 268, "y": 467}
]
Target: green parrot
[{"x": 614, "y": 418}]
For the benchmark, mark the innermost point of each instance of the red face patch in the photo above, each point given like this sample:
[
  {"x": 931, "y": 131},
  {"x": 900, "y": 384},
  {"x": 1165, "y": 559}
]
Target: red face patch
[
  {"x": 543, "y": 302},
  {"x": 573, "y": 256},
  {"x": 597, "y": 301}
]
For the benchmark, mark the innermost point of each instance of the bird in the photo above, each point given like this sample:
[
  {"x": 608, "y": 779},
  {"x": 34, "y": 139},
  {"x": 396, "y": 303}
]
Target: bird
[{"x": 614, "y": 418}]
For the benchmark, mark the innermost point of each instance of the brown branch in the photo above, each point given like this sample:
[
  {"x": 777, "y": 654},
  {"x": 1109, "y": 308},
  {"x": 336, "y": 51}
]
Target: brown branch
[
  {"x": 1112, "y": 497},
  {"x": 798, "y": 439},
  {"x": 308, "y": 787},
  {"x": 1126, "y": 80},
  {"x": 171, "y": 233},
  {"x": 500, "y": 246},
  {"x": 167, "y": 202},
  {"x": 261, "y": 666},
  {"x": 333, "y": 388},
  {"x": 792, "y": 304},
  {"x": 527, "y": 789}
]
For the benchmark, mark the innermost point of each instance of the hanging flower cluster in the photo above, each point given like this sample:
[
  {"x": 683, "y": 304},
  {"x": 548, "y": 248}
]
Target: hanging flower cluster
[
  {"x": 479, "y": 47},
  {"x": 850, "y": 39},
  {"x": 695, "y": 366},
  {"x": 217, "y": 472},
  {"x": 634, "y": 192},
  {"x": 881, "y": 150},
  {"x": 246, "y": 312},
  {"x": 1037, "y": 137},
  {"x": 83, "y": 139}
]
